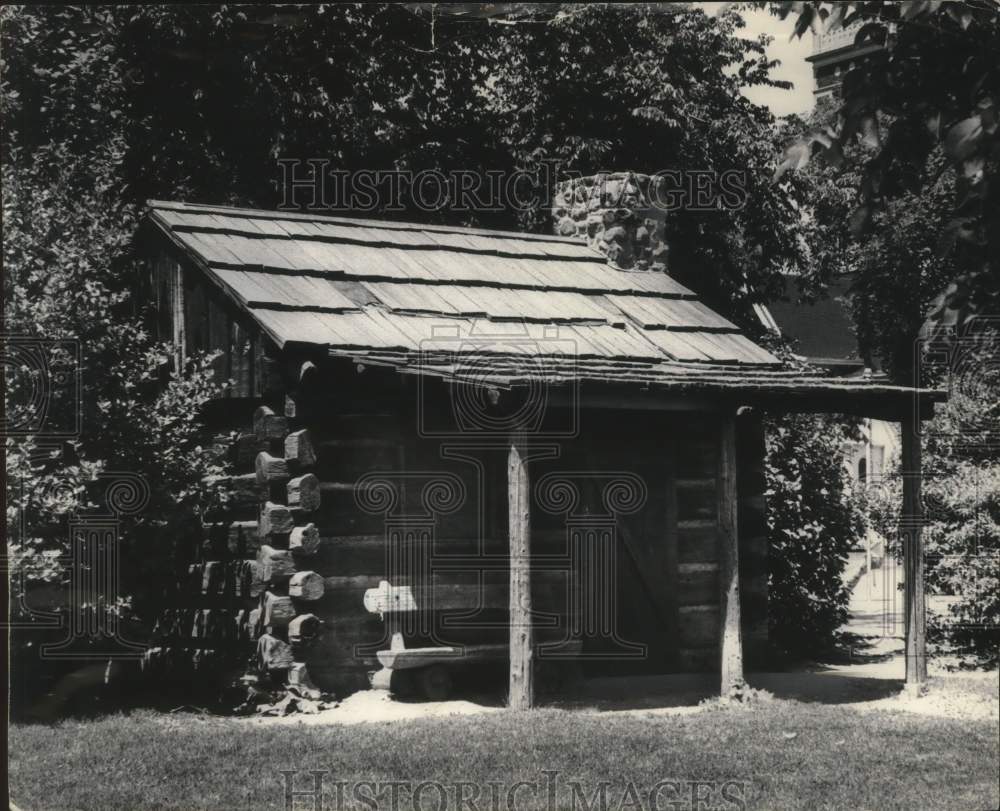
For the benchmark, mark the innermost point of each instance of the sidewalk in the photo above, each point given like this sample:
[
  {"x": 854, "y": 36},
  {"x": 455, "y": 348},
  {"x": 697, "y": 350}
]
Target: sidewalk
[{"x": 876, "y": 605}]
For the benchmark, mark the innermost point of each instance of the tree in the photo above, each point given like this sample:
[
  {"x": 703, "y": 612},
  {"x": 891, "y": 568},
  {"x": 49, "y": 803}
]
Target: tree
[
  {"x": 813, "y": 520},
  {"x": 916, "y": 136},
  {"x": 108, "y": 106},
  {"x": 67, "y": 256},
  {"x": 653, "y": 88},
  {"x": 934, "y": 86},
  {"x": 897, "y": 267},
  {"x": 208, "y": 98},
  {"x": 961, "y": 502},
  {"x": 121, "y": 429}
]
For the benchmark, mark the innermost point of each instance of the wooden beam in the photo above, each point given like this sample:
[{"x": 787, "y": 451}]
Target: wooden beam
[
  {"x": 306, "y": 586},
  {"x": 270, "y": 469},
  {"x": 276, "y": 611},
  {"x": 267, "y": 425},
  {"x": 911, "y": 532},
  {"x": 731, "y": 638},
  {"x": 304, "y": 540},
  {"x": 275, "y": 519},
  {"x": 304, "y": 493},
  {"x": 276, "y": 565},
  {"x": 522, "y": 687},
  {"x": 885, "y": 402},
  {"x": 299, "y": 448}
]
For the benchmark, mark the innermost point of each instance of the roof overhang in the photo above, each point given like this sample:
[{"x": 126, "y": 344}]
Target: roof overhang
[
  {"x": 498, "y": 309},
  {"x": 585, "y": 383}
]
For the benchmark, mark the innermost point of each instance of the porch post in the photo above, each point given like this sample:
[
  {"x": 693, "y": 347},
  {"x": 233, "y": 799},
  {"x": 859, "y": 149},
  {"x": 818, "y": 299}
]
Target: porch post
[
  {"x": 522, "y": 686},
  {"x": 729, "y": 563},
  {"x": 911, "y": 535}
]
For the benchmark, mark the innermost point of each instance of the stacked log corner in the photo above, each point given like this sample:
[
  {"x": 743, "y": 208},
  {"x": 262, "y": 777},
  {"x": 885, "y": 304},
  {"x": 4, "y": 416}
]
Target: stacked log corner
[
  {"x": 288, "y": 539},
  {"x": 309, "y": 611},
  {"x": 296, "y": 552}
]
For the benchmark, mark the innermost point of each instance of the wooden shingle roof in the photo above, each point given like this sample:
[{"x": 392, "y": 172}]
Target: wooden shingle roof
[
  {"x": 380, "y": 285},
  {"x": 464, "y": 303}
]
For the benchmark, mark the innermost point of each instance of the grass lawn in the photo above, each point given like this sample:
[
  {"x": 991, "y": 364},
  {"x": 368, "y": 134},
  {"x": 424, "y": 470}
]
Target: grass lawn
[{"x": 789, "y": 755}]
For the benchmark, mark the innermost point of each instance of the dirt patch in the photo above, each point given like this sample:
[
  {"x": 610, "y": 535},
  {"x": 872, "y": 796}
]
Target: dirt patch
[
  {"x": 375, "y": 706},
  {"x": 960, "y": 706}
]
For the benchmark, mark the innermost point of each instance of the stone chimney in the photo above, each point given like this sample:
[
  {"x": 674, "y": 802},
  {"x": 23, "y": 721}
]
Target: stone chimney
[{"x": 617, "y": 214}]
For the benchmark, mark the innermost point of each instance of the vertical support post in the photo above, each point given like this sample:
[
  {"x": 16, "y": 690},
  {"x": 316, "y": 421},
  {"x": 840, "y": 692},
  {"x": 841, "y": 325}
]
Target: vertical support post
[
  {"x": 911, "y": 535},
  {"x": 178, "y": 305},
  {"x": 522, "y": 686},
  {"x": 729, "y": 562}
]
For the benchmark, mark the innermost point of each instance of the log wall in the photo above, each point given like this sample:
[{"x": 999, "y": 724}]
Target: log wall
[
  {"x": 344, "y": 476},
  {"x": 195, "y": 316}
]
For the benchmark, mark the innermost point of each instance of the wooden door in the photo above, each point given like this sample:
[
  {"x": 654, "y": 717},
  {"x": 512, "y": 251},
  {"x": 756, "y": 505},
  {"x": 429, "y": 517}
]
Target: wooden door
[{"x": 647, "y": 575}]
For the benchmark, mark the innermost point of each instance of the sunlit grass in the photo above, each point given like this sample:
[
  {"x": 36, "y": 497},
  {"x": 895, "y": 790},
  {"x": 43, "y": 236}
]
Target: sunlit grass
[{"x": 791, "y": 755}]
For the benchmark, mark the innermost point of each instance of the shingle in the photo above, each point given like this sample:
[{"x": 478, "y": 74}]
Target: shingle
[
  {"x": 675, "y": 345},
  {"x": 745, "y": 349},
  {"x": 381, "y": 286},
  {"x": 209, "y": 247},
  {"x": 296, "y": 326},
  {"x": 664, "y": 313},
  {"x": 245, "y": 285}
]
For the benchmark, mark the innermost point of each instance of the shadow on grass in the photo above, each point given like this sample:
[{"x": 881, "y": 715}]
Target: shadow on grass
[
  {"x": 823, "y": 682},
  {"x": 607, "y": 694},
  {"x": 687, "y": 690},
  {"x": 78, "y": 695},
  {"x": 826, "y": 687}
]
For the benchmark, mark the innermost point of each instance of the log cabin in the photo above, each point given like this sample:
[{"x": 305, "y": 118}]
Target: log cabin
[{"x": 451, "y": 443}]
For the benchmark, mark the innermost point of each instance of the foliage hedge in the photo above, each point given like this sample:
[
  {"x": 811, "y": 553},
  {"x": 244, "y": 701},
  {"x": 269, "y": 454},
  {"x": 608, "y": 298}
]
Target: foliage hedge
[
  {"x": 814, "y": 518},
  {"x": 961, "y": 501}
]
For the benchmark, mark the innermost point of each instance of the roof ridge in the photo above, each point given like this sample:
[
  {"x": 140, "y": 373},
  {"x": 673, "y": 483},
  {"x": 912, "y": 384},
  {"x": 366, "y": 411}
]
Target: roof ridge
[
  {"x": 362, "y": 222},
  {"x": 353, "y": 240}
]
